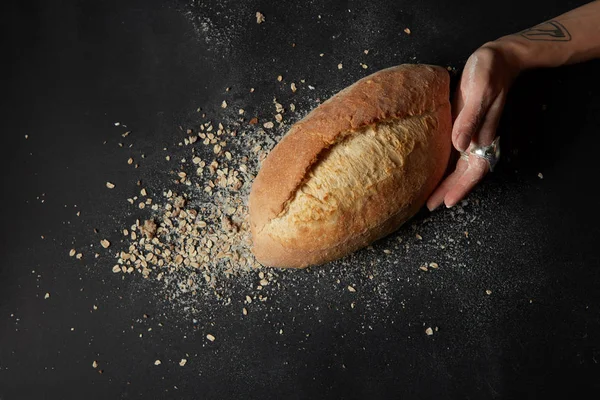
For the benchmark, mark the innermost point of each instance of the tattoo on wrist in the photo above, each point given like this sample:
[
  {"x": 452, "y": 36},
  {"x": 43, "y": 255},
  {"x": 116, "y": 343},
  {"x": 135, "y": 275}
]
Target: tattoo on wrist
[{"x": 549, "y": 31}]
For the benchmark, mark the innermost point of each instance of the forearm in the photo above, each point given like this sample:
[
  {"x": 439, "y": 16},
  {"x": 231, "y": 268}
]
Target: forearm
[{"x": 567, "y": 39}]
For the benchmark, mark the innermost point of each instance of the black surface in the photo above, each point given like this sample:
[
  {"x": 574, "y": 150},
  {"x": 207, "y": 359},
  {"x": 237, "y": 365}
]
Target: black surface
[{"x": 71, "y": 69}]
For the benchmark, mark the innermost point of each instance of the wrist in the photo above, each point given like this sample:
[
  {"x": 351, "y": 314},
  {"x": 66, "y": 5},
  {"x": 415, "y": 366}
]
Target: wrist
[
  {"x": 508, "y": 55},
  {"x": 514, "y": 52},
  {"x": 529, "y": 54}
]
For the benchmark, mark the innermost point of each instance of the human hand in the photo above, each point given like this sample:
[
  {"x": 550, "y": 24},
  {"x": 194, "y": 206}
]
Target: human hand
[{"x": 476, "y": 110}]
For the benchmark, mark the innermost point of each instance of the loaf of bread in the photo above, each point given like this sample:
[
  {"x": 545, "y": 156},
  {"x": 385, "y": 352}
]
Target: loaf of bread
[{"x": 354, "y": 169}]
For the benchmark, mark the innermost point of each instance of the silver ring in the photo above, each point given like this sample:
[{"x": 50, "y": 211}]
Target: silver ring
[{"x": 489, "y": 153}]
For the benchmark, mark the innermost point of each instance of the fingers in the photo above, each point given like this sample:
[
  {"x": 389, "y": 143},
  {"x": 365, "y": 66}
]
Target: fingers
[
  {"x": 487, "y": 132},
  {"x": 476, "y": 111},
  {"x": 470, "y": 118},
  {"x": 466, "y": 125},
  {"x": 437, "y": 197},
  {"x": 468, "y": 173},
  {"x": 472, "y": 175},
  {"x": 474, "y": 98},
  {"x": 477, "y": 167}
]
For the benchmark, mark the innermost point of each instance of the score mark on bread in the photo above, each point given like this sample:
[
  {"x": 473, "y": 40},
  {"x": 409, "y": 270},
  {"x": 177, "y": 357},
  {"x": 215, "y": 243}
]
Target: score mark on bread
[{"x": 354, "y": 169}]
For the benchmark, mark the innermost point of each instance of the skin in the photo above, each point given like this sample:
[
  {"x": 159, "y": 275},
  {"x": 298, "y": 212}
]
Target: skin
[{"x": 570, "y": 38}]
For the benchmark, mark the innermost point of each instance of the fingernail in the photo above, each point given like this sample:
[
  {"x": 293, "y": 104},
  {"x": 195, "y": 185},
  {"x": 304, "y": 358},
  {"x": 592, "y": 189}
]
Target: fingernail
[{"x": 462, "y": 141}]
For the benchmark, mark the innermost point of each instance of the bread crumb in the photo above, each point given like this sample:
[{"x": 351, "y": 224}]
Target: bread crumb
[
  {"x": 278, "y": 106},
  {"x": 351, "y": 289},
  {"x": 488, "y": 292},
  {"x": 268, "y": 125},
  {"x": 110, "y": 185},
  {"x": 407, "y": 31},
  {"x": 244, "y": 311},
  {"x": 540, "y": 176},
  {"x": 293, "y": 87},
  {"x": 95, "y": 364},
  {"x": 224, "y": 104},
  {"x": 47, "y": 296},
  {"x": 105, "y": 243},
  {"x": 419, "y": 237},
  {"x": 434, "y": 265},
  {"x": 279, "y": 78},
  {"x": 210, "y": 337},
  {"x": 182, "y": 362},
  {"x": 365, "y": 66},
  {"x": 429, "y": 331},
  {"x": 157, "y": 362},
  {"x": 72, "y": 252},
  {"x": 260, "y": 18},
  {"x": 340, "y": 66},
  {"x": 366, "y": 52},
  {"x": 116, "y": 269}
]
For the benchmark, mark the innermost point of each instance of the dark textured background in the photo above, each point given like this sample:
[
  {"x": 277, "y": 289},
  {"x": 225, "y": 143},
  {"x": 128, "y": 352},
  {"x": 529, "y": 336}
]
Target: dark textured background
[{"x": 71, "y": 69}]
